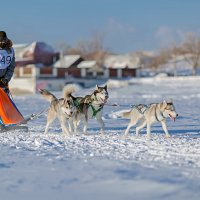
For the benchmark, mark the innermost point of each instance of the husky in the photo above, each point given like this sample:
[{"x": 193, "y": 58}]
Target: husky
[
  {"x": 90, "y": 106},
  {"x": 149, "y": 114},
  {"x": 63, "y": 108}
]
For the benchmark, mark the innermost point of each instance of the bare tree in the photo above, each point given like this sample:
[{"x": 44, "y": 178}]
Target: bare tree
[
  {"x": 63, "y": 47},
  {"x": 176, "y": 50},
  {"x": 161, "y": 58},
  {"x": 191, "y": 47}
]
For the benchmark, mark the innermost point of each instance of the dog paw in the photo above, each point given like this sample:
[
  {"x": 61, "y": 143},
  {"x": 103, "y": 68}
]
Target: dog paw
[
  {"x": 124, "y": 136},
  {"x": 168, "y": 136},
  {"x": 102, "y": 133},
  {"x": 66, "y": 135},
  {"x": 148, "y": 137},
  {"x": 137, "y": 135}
]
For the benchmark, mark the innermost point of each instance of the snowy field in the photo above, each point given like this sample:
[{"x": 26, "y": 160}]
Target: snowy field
[{"x": 37, "y": 166}]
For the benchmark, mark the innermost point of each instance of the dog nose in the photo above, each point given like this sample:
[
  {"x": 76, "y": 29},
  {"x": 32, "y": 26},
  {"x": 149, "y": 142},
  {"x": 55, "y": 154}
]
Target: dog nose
[{"x": 71, "y": 112}]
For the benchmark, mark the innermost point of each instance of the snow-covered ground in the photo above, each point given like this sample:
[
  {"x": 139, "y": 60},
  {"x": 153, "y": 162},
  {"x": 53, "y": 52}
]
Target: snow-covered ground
[{"x": 37, "y": 166}]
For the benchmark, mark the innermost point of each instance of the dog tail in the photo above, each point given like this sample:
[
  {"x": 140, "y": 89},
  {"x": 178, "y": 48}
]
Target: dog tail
[
  {"x": 47, "y": 95},
  {"x": 127, "y": 114},
  {"x": 68, "y": 90}
]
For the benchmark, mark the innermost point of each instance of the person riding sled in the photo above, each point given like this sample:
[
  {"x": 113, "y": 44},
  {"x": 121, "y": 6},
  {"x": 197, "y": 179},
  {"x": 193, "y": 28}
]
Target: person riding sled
[{"x": 9, "y": 114}]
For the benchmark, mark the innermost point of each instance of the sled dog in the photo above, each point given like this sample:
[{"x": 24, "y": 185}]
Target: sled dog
[
  {"x": 62, "y": 108},
  {"x": 90, "y": 106},
  {"x": 146, "y": 115}
]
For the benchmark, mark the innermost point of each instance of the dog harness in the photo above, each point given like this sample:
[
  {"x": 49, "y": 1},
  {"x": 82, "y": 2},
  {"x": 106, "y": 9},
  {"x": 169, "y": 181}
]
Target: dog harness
[
  {"x": 141, "y": 108},
  {"x": 94, "y": 110},
  {"x": 78, "y": 102}
]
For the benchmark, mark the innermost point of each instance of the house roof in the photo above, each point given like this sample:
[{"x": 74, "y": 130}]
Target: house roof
[
  {"x": 19, "y": 48},
  {"x": 39, "y": 52},
  {"x": 122, "y": 61},
  {"x": 67, "y": 61},
  {"x": 87, "y": 64},
  {"x": 39, "y": 46}
]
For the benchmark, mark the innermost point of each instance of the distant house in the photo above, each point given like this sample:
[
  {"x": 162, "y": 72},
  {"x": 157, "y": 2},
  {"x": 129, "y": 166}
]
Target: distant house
[
  {"x": 121, "y": 66},
  {"x": 90, "y": 69},
  {"x": 67, "y": 65},
  {"x": 38, "y": 53},
  {"x": 68, "y": 61}
]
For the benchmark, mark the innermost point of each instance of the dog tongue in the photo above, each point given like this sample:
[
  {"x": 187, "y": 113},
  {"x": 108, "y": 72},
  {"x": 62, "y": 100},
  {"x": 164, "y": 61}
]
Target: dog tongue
[{"x": 172, "y": 118}]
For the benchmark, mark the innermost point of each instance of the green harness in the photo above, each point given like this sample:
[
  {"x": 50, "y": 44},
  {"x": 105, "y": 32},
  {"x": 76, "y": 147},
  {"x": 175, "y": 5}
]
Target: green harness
[
  {"x": 77, "y": 104},
  {"x": 95, "y": 111}
]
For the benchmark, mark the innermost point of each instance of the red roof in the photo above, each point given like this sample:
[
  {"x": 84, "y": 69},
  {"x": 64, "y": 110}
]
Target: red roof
[{"x": 39, "y": 52}]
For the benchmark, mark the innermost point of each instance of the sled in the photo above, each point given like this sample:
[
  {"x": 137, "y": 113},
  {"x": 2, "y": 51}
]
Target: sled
[
  {"x": 10, "y": 116},
  {"x": 23, "y": 128}
]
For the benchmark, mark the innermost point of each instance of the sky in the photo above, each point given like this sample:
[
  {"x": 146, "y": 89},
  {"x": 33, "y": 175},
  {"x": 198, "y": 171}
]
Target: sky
[{"x": 123, "y": 25}]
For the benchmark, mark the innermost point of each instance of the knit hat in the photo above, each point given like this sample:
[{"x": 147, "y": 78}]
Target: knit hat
[{"x": 3, "y": 36}]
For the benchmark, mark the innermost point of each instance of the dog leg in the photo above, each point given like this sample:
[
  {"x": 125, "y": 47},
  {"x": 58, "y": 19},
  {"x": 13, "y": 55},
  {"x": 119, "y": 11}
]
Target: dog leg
[
  {"x": 76, "y": 123},
  {"x": 47, "y": 128},
  {"x": 164, "y": 126},
  {"x": 65, "y": 130},
  {"x": 63, "y": 127},
  {"x": 85, "y": 126},
  {"x": 71, "y": 126},
  {"x": 101, "y": 122},
  {"x": 50, "y": 119},
  {"x": 141, "y": 126},
  {"x": 127, "y": 129},
  {"x": 75, "y": 120},
  {"x": 148, "y": 130},
  {"x": 132, "y": 123}
]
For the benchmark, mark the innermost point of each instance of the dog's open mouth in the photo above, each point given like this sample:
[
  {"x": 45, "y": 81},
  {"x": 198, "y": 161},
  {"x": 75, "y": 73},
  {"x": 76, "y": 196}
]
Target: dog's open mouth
[
  {"x": 103, "y": 100},
  {"x": 172, "y": 118},
  {"x": 68, "y": 115}
]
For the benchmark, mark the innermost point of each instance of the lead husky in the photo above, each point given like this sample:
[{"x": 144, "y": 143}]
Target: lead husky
[
  {"x": 90, "y": 106},
  {"x": 62, "y": 109},
  {"x": 149, "y": 114}
]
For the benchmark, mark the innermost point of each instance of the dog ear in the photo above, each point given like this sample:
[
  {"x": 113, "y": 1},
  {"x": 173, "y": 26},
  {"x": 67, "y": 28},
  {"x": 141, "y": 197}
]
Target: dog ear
[
  {"x": 163, "y": 104},
  {"x": 65, "y": 101},
  {"x": 105, "y": 87},
  {"x": 97, "y": 87}
]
